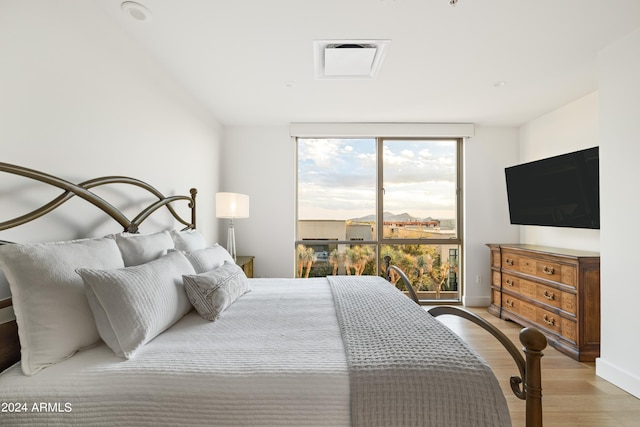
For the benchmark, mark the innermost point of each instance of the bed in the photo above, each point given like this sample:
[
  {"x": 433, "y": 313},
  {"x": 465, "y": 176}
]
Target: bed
[{"x": 164, "y": 329}]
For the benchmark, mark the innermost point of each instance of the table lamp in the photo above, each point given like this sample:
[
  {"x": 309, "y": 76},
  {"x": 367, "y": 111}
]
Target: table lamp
[{"x": 232, "y": 205}]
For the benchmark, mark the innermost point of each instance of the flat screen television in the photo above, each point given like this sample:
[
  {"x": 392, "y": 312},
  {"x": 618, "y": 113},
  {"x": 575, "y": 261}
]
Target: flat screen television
[{"x": 560, "y": 191}]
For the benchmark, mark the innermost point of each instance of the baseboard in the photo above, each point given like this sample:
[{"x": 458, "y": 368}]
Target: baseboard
[
  {"x": 618, "y": 377},
  {"x": 476, "y": 301}
]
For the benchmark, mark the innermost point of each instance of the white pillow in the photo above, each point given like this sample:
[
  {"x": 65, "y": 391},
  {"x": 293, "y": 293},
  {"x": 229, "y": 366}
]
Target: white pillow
[
  {"x": 209, "y": 258},
  {"x": 52, "y": 312},
  {"x": 137, "y": 249},
  {"x": 133, "y": 305},
  {"x": 213, "y": 291},
  {"x": 188, "y": 240}
]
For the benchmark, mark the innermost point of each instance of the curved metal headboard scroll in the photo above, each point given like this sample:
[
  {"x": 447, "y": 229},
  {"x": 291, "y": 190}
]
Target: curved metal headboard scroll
[{"x": 82, "y": 190}]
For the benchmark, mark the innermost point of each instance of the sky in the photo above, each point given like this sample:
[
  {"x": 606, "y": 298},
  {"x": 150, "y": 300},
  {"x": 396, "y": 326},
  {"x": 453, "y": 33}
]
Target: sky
[{"x": 337, "y": 178}]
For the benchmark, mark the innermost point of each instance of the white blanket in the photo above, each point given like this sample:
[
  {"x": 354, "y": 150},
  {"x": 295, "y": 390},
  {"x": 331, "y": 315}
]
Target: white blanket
[{"x": 275, "y": 357}]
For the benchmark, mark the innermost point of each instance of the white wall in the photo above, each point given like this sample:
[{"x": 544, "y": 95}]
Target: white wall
[
  {"x": 260, "y": 162},
  {"x": 486, "y": 212},
  {"x": 79, "y": 101},
  {"x": 619, "y": 92},
  {"x": 570, "y": 128}
]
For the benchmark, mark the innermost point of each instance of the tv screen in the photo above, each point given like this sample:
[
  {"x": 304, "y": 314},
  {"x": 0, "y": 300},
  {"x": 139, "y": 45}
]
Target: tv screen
[{"x": 560, "y": 191}]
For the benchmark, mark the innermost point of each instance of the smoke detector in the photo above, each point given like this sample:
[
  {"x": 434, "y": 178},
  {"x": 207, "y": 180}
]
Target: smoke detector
[
  {"x": 136, "y": 11},
  {"x": 348, "y": 59}
]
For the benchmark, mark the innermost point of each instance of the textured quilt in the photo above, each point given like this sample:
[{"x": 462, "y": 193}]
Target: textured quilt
[{"x": 406, "y": 368}]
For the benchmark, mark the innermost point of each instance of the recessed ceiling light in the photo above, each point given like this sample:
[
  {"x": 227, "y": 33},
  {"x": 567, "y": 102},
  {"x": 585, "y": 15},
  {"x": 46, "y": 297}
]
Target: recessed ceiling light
[
  {"x": 136, "y": 11},
  {"x": 500, "y": 83}
]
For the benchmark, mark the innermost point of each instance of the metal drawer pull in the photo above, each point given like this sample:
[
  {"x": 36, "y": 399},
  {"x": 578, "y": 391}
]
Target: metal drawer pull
[
  {"x": 548, "y": 270},
  {"x": 509, "y": 282},
  {"x": 508, "y": 261},
  {"x": 508, "y": 303},
  {"x": 549, "y": 295},
  {"x": 548, "y": 321}
]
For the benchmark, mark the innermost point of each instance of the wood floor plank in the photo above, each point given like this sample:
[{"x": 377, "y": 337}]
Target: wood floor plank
[{"x": 572, "y": 393}]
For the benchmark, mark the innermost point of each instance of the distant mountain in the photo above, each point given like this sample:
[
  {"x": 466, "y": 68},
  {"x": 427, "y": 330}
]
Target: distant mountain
[{"x": 388, "y": 216}]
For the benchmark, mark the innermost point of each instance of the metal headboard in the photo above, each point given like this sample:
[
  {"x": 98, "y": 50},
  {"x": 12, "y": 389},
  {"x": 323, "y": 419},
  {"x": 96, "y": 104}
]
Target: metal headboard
[{"x": 82, "y": 190}]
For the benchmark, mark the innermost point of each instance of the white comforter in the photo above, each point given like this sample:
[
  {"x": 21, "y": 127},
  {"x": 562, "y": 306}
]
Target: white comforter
[
  {"x": 275, "y": 357},
  {"x": 258, "y": 364}
]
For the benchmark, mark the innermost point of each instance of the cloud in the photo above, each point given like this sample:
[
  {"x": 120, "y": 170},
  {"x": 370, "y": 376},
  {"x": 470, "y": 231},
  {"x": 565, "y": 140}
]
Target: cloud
[{"x": 340, "y": 175}]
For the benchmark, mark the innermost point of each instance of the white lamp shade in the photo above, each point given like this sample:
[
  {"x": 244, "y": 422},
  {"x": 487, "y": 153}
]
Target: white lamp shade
[{"x": 232, "y": 205}]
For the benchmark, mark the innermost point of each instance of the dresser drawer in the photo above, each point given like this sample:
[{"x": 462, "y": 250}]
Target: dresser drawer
[
  {"x": 510, "y": 282},
  {"x": 549, "y": 320},
  {"x": 510, "y": 303},
  {"x": 549, "y": 296},
  {"x": 506, "y": 301},
  {"x": 510, "y": 261},
  {"x": 548, "y": 270}
]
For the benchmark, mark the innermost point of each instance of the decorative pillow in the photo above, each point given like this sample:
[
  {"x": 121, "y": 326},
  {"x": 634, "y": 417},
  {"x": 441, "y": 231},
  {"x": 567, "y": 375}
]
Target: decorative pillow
[
  {"x": 188, "y": 240},
  {"x": 213, "y": 291},
  {"x": 138, "y": 249},
  {"x": 209, "y": 258},
  {"x": 133, "y": 305},
  {"x": 52, "y": 312}
]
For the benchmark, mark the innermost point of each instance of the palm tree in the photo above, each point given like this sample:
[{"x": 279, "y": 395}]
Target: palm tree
[
  {"x": 349, "y": 257},
  {"x": 310, "y": 258},
  {"x": 300, "y": 251},
  {"x": 443, "y": 272},
  {"x": 365, "y": 254},
  {"x": 334, "y": 259},
  {"x": 422, "y": 263}
]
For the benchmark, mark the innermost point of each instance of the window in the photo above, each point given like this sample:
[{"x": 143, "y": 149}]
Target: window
[{"x": 360, "y": 199}]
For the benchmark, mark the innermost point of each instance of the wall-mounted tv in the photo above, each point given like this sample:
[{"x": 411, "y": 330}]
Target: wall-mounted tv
[{"x": 560, "y": 191}]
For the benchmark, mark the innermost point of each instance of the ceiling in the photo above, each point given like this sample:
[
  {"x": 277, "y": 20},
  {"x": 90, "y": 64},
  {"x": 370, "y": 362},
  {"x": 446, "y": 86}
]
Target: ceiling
[{"x": 250, "y": 62}]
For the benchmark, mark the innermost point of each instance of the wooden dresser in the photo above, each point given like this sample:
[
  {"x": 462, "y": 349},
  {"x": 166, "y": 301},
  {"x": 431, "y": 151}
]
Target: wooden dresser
[{"x": 555, "y": 290}]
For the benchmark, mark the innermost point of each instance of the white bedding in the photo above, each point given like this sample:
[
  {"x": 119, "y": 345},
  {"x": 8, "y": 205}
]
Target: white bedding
[
  {"x": 275, "y": 357},
  {"x": 234, "y": 371}
]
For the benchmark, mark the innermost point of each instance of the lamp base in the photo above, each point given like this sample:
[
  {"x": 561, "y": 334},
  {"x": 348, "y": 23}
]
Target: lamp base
[{"x": 231, "y": 241}]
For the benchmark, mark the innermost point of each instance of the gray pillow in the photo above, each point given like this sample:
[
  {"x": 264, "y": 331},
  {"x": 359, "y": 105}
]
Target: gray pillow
[
  {"x": 213, "y": 291},
  {"x": 133, "y": 305}
]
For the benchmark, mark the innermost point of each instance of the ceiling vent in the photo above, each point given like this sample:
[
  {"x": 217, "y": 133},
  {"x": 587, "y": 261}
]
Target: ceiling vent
[{"x": 348, "y": 59}]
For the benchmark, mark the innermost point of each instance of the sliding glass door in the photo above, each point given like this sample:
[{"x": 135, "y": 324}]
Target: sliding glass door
[{"x": 359, "y": 200}]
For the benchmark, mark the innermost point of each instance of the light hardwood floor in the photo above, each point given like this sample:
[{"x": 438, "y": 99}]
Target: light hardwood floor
[{"x": 572, "y": 394}]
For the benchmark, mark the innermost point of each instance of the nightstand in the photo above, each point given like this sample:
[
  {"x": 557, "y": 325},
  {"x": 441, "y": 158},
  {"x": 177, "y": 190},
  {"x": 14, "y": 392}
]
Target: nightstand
[{"x": 246, "y": 263}]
